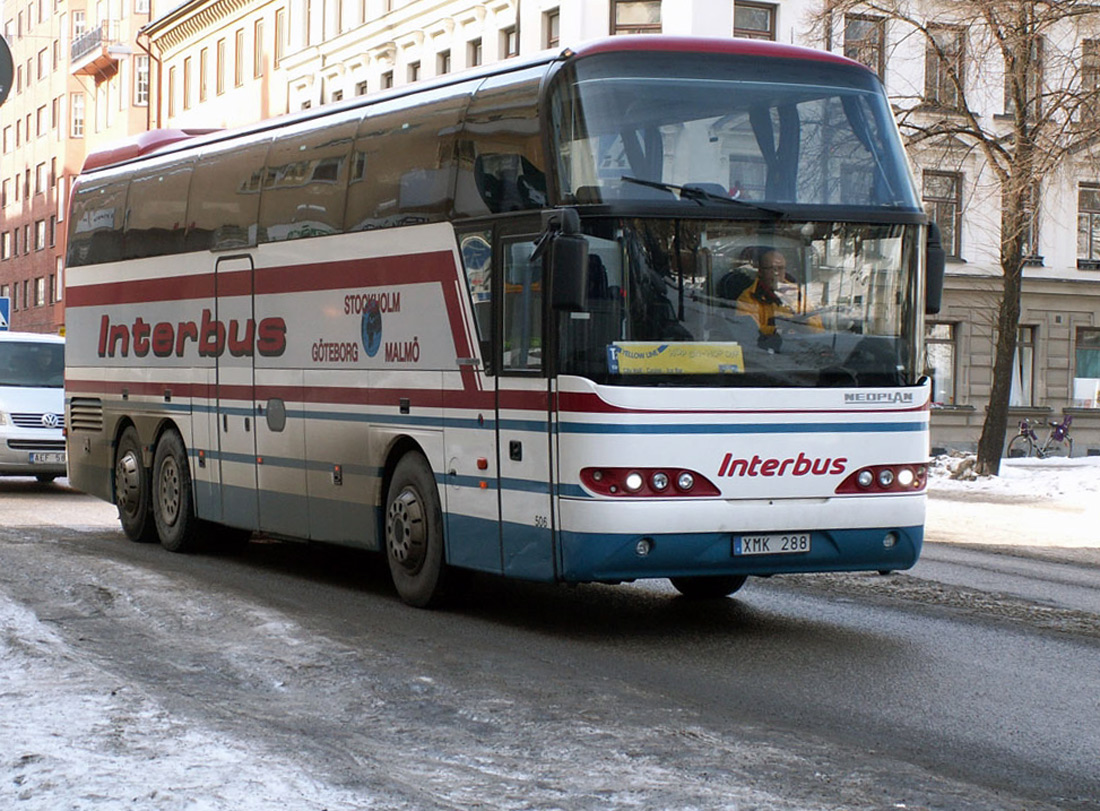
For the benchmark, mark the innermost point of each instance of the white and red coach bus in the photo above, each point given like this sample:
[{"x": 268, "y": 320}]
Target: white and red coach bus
[{"x": 509, "y": 321}]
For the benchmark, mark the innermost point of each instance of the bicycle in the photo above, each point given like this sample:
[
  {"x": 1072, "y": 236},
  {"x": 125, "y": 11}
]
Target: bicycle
[{"x": 1058, "y": 442}]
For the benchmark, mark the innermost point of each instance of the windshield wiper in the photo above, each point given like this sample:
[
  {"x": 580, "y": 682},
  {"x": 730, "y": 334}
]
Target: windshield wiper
[{"x": 699, "y": 195}]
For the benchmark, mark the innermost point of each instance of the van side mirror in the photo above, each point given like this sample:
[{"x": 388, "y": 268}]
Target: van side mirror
[
  {"x": 935, "y": 262},
  {"x": 567, "y": 248}
]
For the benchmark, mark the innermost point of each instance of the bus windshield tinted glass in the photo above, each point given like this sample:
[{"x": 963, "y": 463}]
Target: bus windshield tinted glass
[
  {"x": 727, "y": 303},
  {"x": 704, "y": 129}
]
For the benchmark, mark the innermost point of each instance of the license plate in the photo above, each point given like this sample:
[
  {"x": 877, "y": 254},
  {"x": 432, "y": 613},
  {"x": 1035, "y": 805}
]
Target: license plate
[
  {"x": 774, "y": 543},
  {"x": 46, "y": 458}
]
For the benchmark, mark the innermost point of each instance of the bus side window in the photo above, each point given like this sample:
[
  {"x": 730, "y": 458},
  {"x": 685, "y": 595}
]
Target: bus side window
[
  {"x": 225, "y": 195},
  {"x": 97, "y": 219},
  {"x": 501, "y": 164},
  {"x": 306, "y": 180},
  {"x": 156, "y": 210},
  {"x": 402, "y": 166},
  {"x": 476, "y": 248}
]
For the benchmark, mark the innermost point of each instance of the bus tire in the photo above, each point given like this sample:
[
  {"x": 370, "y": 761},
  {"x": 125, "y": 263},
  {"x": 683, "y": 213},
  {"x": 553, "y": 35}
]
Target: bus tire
[
  {"x": 414, "y": 533},
  {"x": 173, "y": 499},
  {"x": 708, "y": 587},
  {"x": 132, "y": 489}
]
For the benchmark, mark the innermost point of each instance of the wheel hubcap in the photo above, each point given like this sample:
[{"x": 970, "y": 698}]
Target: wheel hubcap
[
  {"x": 406, "y": 531},
  {"x": 168, "y": 492},
  {"x": 128, "y": 482}
]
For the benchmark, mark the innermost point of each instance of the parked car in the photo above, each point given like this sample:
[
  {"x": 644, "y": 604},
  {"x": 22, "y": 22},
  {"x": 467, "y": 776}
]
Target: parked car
[{"x": 32, "y": 405}]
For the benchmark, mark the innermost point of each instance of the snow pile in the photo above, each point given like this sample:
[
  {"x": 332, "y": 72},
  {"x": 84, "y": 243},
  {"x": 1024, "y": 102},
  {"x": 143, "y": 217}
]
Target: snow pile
[{"x": 1076, "y": 481}]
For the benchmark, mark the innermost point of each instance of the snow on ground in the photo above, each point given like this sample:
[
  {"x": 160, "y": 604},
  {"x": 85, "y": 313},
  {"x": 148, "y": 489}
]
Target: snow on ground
[{"x": 1073, "y": 481}]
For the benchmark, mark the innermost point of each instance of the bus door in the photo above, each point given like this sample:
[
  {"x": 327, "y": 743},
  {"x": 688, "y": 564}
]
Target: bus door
[
  {"x": 235, "y": 383},
  {"x": 524, "y": 397}
]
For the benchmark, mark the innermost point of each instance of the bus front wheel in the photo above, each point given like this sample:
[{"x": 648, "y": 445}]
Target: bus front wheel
[
  {"x": 708, "y": 587},
  {"x": 414, "y": 533},
  {"x": 132, "y": 489},
  {"x": 173, "y": 501}
]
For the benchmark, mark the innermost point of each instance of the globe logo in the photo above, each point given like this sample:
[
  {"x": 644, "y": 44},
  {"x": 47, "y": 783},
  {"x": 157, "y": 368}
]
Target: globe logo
[{"x": 372, "y": 328}]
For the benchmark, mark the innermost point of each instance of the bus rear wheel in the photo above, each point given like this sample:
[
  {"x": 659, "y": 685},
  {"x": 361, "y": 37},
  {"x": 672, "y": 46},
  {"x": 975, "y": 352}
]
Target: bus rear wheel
[
  {"x": 708, "y": 587},
  {"x": 414, "y": 533},
  {"x": 173, "y": 500},
  {"x": 132, "y": 489}
]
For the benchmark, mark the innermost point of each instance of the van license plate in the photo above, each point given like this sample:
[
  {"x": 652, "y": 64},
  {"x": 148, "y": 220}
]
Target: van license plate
[
  {"x": 47, "y": 458},
  {"x": 775, "y": 543}
]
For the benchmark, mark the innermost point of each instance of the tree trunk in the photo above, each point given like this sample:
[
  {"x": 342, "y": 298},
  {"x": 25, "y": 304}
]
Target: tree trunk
[{"x": 992, "y": 441}]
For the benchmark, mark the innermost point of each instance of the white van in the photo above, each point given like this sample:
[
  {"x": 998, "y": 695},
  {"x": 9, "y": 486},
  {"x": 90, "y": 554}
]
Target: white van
[{"x": 32, "y": 405}]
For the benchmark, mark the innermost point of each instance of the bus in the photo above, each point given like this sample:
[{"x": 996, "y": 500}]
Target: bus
[{"x": 512, "y": 321}]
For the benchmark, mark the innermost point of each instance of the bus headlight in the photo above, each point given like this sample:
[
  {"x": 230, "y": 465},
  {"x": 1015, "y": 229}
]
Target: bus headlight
[{"x": 633, "y": 481}]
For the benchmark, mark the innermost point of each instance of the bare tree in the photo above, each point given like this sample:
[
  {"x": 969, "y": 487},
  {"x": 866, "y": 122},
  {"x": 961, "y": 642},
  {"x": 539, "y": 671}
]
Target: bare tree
[{"x": 1050, "y": 118}]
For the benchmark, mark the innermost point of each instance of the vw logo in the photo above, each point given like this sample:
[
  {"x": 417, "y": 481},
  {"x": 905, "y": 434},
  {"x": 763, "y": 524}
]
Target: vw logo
[{"x": 51, "y": 421}]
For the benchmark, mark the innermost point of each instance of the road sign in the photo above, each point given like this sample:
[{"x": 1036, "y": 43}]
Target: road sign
[{"x": 5, "y": 312}]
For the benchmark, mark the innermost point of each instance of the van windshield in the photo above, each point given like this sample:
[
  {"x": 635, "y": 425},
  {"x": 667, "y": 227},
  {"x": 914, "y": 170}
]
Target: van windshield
[{"x": 28, "y": 364}]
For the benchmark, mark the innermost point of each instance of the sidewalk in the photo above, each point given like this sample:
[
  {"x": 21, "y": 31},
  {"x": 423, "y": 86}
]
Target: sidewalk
[{"x": 1043, "y": 507}]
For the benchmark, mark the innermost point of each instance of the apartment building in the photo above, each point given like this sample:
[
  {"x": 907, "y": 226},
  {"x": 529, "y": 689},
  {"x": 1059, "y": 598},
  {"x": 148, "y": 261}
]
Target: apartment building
[{"x": 79, "y": 82}]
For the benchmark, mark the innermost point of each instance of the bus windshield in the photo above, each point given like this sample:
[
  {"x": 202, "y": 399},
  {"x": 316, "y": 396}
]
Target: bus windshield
[
  {"x": 690, "y": 302},
  {"x": 708, "y": 128}
]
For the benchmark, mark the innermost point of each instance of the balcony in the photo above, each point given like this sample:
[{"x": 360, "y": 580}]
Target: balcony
[{"x": 91, "y": 53}]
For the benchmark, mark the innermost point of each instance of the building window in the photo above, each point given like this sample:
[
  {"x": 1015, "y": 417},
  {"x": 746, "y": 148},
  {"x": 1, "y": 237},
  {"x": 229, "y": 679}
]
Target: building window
[
  {"x": 636, "y": 16},
  {"x": 551, "y": 28},
  {"x": 943, "y": 64},
  {"x": 172, "y": 90},
  {"x": 141, "y": 6},
  {"x": 1029, "y": 236},
  {"x": 1033, "y": 83},
  {"x": 414, "y": 72},
  {"x": 443, "y": 62},
  {"x": 754, "y": 21},
  {"x": 77, "y": 105},
  {"x": 473, "y": 52},
  {"x": 943, "y": 201},
  {"x": 865, "y": 41},
  {"x": 1088, "y": 227},
  {"x": 4, "y": 192},
  {"x": 1023, "y": 369},
  {"x": 337, "y": 95},
  {"x": 509, "y": 42},
  {"x": 258, "y": 54},
  {"x": 40, "y": 291},
  {"x": 55, "y": 113},
  {"x": 41, "y": 122},
  {"x": 141, "y": 80},
  {"x": 187, "y": 83},
  {"x": 387, "y": 80},
  {"x": 41, "y": 179},
  {"x": 53, "y": 230},
  {"x": 361, "y": 88},
  {"x": 238, "y": 59},
  {"x": 280, "y": 35},
  {"x": 219, "y": 67},
  {"x": 1090, "y": 66},
  {"x": 5, "y": 253},
  {"x": 204, "y": 67},
  {"x": 40, "y": 235},
  {"x": 1086, "y": 368},
  {"x": 43, "y": 63}
]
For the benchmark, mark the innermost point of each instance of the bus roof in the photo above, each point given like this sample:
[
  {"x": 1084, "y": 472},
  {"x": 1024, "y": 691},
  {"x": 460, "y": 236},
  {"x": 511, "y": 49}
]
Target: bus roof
[{"x": 158, "y": 140}]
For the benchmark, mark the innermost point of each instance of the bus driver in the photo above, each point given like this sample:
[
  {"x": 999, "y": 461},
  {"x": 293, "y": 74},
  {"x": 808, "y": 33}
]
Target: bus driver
[{"x": 762, "y": 299}]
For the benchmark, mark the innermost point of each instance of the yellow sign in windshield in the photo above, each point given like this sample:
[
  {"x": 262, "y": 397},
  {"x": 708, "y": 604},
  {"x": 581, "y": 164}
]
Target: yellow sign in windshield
[{"x": 688, "y": 358}]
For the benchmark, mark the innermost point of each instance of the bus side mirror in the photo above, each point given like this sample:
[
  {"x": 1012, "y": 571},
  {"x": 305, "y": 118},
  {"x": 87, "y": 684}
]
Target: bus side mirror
[
  {"x": 569, "y": 272},
  {"x": 567, "y": 248},
  {"x": 935, "y": 261}
]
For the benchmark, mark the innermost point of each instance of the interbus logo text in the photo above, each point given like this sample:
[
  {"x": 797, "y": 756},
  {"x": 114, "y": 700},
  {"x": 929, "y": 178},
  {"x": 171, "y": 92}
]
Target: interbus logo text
[
  {"x": 212, "y": 338},
  {"x": 801, "y": 466}
]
